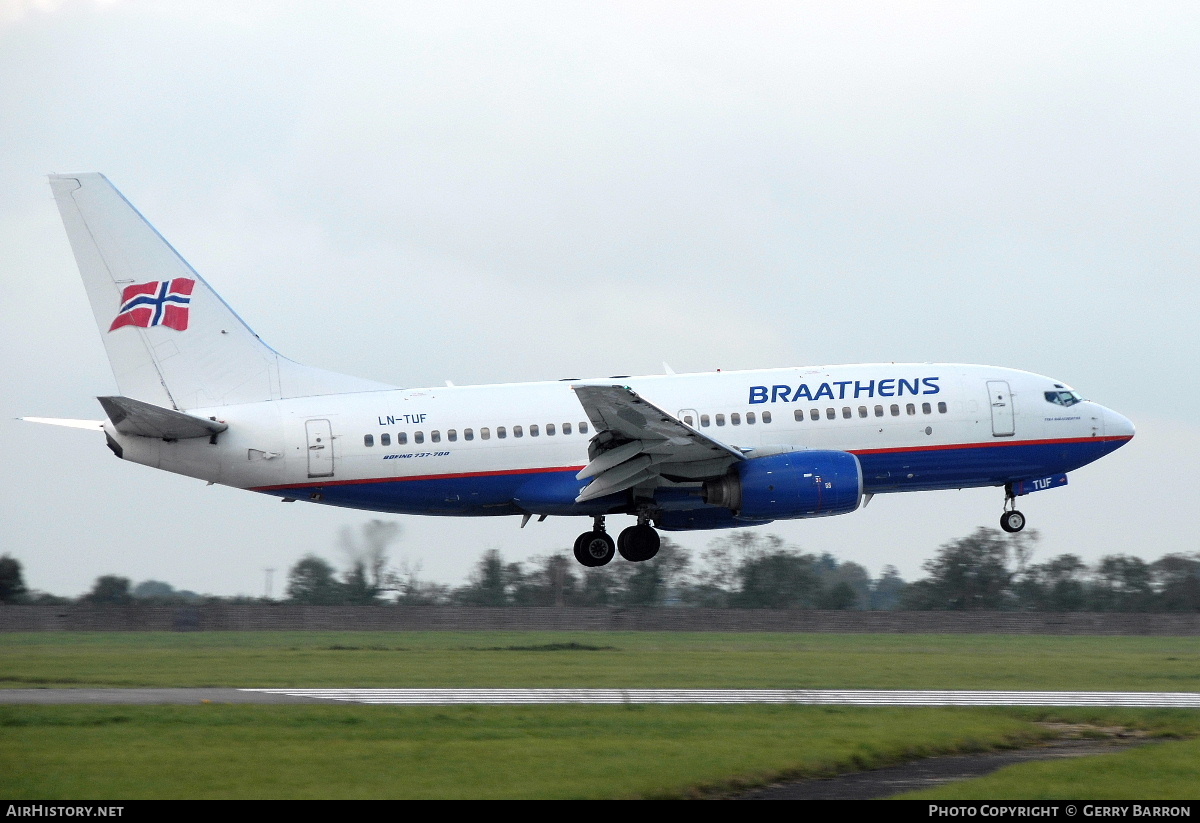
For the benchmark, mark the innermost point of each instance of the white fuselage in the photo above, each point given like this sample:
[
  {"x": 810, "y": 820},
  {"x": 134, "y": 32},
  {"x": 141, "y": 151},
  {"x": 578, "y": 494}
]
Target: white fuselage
[{"x": 478, "y": 450}]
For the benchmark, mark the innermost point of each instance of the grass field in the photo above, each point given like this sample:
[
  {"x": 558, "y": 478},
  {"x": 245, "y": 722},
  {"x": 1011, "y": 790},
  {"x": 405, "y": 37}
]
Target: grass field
[
  {"x": 598, "y": 659},
  {"x": 1164, "y": 771},
  {"x": 487, "y": 751},
  {"x": 576, "y": 751}
]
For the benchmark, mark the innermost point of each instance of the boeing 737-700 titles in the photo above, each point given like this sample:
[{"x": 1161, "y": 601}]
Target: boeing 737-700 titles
[{"x": 202, "y": 395}]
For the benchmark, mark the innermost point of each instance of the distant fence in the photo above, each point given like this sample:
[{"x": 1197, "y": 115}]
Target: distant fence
[{"x": 289, "y": 617}]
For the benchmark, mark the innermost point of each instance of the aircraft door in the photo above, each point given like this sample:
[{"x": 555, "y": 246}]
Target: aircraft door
[
  {"x": 690, "y": 417},
  {"x": 1000, "y": 397},
  {"x": 320, "y": 448}
]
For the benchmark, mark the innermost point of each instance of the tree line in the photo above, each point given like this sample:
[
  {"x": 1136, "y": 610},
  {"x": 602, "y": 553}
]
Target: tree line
[{"x": 987, "y": 569}]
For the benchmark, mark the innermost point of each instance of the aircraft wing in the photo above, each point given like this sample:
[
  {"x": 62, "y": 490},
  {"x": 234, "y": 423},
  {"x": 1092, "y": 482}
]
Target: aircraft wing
[{"x": 637, "y": 442}]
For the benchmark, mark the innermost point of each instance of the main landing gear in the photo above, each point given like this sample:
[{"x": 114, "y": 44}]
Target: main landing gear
[
  {"x": 636, "y": 543},
  {"x": 1012, "y": 521}
]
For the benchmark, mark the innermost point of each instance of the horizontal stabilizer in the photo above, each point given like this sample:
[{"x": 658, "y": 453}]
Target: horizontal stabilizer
[
  {"x": 131, "y": 416},
  {"x": 95, "y": 425}
]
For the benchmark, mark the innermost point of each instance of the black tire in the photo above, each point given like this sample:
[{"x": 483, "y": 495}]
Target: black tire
[
  {"x": 594, "y": 549},
  {"x": 1012, "y": 522},
  {"x": 638, "y": 543}
]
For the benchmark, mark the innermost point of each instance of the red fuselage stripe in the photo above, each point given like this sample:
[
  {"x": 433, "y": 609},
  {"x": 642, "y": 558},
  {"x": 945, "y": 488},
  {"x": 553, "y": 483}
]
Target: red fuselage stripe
[
  {"x": 548, "y": 469},
  {"x": 498, "y": 473}
]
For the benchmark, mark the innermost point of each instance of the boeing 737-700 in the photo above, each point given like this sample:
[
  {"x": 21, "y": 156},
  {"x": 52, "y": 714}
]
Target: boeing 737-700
[{"x": 201, "y": 395}]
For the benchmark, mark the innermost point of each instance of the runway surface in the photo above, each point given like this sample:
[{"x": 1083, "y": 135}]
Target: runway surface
[{"x": 533, "y": 697}]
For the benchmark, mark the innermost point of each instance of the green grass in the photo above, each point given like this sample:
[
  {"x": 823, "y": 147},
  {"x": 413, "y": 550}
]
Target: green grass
[
  {"x": 222, "y": 751},
  {"x": 1167, "y": 771},
  {"x": 597, "y": 659},
  {"x": 569, "y": 751}
]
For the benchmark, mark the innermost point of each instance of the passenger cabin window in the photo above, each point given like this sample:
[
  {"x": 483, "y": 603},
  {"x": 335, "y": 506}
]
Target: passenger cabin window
[
  {"x": 720, "y": 420},
  {"x": 583, "y": 428},
  {"x": 468, "y": 434},
  {"x": 368, "y": 440},
  {"x": 926, "y": 408},
  {"x": 566, "y": 428},
  {"x": 401, "y": 438},
  {"x": 814, "y": 414},
  {"x": 385, "y": 439},
  {"x": 735, "y": 419},
  {"x": 533, "y": 430},
  {"x": 485, "y": 433},
  {"x": 452, "y": 435},
  {"x": 704, "y": 420},
  {"x": 942, "y": 407},
  {"x": 435, "y": 436},
  {"x": 501, "y": 433},
  {"x": 862, "y": 411},
  {"x": 517, "y": 432},
  {"x": 549, "y": 429},
  {"x": 911, "y": 408},
  {"x": 846, "y": 412},
  {"x": 831, "y": 413},
  {"x": 766, "y": 417},
  {"x": 895, "y": 410},
  {"x": 750, "y": 418},
  {"x": 799, "y": 415},
  {"x": 418, "y": 437},
  {"x": 687, "y": 418},
  {"x": 879, "y": 411}
]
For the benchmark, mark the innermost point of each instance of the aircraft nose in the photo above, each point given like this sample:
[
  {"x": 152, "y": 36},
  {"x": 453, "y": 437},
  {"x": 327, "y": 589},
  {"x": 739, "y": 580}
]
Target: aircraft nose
[{"x": 1117, "y": 425}]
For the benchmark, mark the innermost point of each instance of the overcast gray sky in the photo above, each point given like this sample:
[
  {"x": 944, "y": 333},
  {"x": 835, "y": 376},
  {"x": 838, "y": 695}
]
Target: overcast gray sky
[{"x": 483, "y": 192}]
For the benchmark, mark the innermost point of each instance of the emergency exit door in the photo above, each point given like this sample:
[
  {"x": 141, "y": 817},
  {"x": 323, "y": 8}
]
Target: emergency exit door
[
  {"x": 1003, "y": 424},
  {"x": 320, "y": 448}
]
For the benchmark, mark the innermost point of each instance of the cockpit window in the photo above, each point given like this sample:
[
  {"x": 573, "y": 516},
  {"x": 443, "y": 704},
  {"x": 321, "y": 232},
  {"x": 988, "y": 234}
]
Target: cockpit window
[{"x": 1063, "y": 398}]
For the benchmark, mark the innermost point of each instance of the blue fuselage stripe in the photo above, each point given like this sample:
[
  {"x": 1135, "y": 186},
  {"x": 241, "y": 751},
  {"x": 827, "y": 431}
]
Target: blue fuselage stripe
[{"x": 554, "y": 491}]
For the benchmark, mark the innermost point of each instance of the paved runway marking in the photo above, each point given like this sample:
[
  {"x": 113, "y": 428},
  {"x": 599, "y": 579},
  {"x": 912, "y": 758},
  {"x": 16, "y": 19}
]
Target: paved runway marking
[{"x": 804, "y": 697}]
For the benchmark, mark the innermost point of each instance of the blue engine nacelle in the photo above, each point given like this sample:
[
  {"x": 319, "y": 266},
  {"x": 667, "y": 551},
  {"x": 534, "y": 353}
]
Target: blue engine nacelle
[{"x": 789, "y": 485}]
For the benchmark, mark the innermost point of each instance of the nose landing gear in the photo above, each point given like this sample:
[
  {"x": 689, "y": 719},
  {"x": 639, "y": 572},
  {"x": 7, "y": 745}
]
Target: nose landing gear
[{"x": 1012, "y": 521}]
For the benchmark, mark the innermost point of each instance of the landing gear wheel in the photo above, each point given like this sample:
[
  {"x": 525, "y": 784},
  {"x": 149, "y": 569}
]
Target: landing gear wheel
[
  {"x": 638, "y": 543},
  {"x": 1012, "y": 521},
  {"x": 594, "y": 548}
]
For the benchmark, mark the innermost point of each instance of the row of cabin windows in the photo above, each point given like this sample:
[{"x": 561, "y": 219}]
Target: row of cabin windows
[
  {"x": 735, "y": 419},
  {"x": 847, "y": 412},
  {"x": 485, "y": 433}
]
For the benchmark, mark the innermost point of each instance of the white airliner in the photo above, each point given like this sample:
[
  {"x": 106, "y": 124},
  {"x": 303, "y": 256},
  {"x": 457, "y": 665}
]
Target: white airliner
[{"x": 202, "y": 395}]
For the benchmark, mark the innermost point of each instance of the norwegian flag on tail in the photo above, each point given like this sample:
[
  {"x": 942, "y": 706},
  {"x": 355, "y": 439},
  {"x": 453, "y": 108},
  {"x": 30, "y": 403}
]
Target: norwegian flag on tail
[{"x": 159, "y": 303}]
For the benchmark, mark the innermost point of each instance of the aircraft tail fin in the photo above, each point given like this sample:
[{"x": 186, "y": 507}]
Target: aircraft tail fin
[{"x": 171, "y": 340}]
